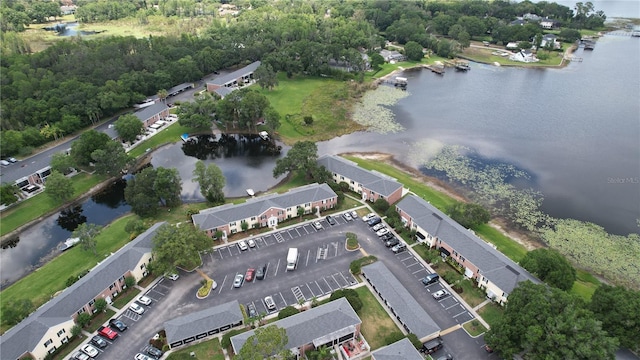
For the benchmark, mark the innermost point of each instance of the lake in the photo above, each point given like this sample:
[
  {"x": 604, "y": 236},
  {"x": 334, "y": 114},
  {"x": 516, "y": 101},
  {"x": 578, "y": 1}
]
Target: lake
[{"x": 576, "y": 130}]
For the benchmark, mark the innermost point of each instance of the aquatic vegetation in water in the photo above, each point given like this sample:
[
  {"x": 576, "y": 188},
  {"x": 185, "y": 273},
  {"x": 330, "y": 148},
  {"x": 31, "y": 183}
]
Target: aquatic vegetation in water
[{"x": 374, "y": 113}]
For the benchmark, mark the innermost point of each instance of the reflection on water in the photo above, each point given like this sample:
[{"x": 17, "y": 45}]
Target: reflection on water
[
  {"x": 205, "y": 147},
  {"x": 71, "y": 217}
]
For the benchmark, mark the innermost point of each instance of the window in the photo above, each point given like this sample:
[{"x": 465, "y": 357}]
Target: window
[
  {"x": 52, "y": 350},
  {"x": 48, "y": 342},
  {"x": 307, "y": 204},
  {"x": 112, "y": 286},
  {"x": 61, "y": 332},
  {"x": 341, "y": 177},
  {"x": 253, "y": 218},
  {"x": 142, "y": 266},
  {"x": 232, "y": 224},
  {"x": 80, "y": 311},
  {"x": 121, "y": 279},
  {"x": 462, "y": 258},
  {"x": 90, "y": 304}
]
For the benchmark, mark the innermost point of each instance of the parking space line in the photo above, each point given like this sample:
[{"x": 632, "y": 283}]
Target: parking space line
[
  {"x": 308, "y": 256},
  {"x": 329, "y": 286},
  {"x": 455, "y": 316},
  {"x": 282, "y": 297},
  {"x": 222, "y": 285},
  {"x": 407, "y": 258},
  {"x": 454, "y": 305},
  {"x": 345, "y": 279},
  {"x": 277, "y": 267}
]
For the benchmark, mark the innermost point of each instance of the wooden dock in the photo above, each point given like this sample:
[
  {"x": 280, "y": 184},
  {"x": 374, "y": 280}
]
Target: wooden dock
[{"x": 438, "y": 69}]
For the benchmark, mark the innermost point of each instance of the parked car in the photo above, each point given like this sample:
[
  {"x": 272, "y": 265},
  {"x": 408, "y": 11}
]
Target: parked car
[
  {"x": 368, "y": 217},
  {"x": 80, "y": 356},
  {"x": 242, "y": 245},
  {"x": 374, "y": 221},
  {"x": 173, "y": 276},
  {"x": 440, "y": 294},
  {"x": 430, "y": 279},
  {"x": 12, "y": 160},
  {"x": 432, "y": 346},
  {"x": 317, "y": 225},
  {"x": 392, "y": 242},
  {"x": 354, "y": 214},
  {"x": 239, "y": 279},
  {"x": 252, "y": 243},
  {"x": 136, "y": 308},
  {"x": 118, "y": 324},
  {"x": 251, "y": 310},
  {"x": 142, "y": 357},
  {"x": 347, "y": 216},
  {"x": 387, "y": 236},
  {"x": 107, "y": 332},
  {"x": 330, "y": 220},
  {"x": 89, "y": 350},
  {"x": 378, "y": 227},
  {"x": 144, "y": 300},
  {"x": 399, "y": 248},
  {"x": 249, "y": 275},
  {"x": 382, "y": 232},
  {"x": 446, "y": 357},
  {"x": 268, "y": 301},
  {"x": 153, "y": 351},
  {"x": 5, "y": 163},
  {"x": 261, "y": 271},
  {"x": 99, "y": 342}
]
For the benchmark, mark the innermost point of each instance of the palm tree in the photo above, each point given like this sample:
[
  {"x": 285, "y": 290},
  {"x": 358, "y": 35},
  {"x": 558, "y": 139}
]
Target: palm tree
[{"x": 163, "y": 94}]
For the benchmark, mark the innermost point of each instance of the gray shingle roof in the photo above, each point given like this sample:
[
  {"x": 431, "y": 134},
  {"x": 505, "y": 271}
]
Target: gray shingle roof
[
  {"x": 26, "y": 335},
  {"x": 307, "y": 326},
  {"x": 496, "y": 267},
  {"x": 199, "y": 322},
  {"x": 222, "y": 215},
  {"x": 221, "y": 80},
  {"x": 399, "y": 350},
  {"x": 404, "y": 305},
  {"x": 223, "y": 91},
  {"x": 145, "y": 113},
  {"x": 372, "y": 180}
]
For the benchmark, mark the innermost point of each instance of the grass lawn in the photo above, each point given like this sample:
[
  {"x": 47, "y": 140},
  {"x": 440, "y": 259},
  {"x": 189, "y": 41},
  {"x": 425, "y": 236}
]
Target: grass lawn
[
  {"x": 585, "y": 285},
  {"x": 512, "y": 249},
  {"x": 169, "y": 135},
  {"x": 474, "y": 328},
  {"x": 210, "y": 350},
  {"x": 124, "y": 298},
  {"x": 327, "y": 101},
  {"x": 99, "y": 319},
  {"x": 484, "y": 55},
  {"x": 42, "y": 284},
  {"x": 471, "y": 294},
  {"x": 376, "y": 323},
  {"x": 41, "y": 204},
  {"x": 491, "y": 313}
]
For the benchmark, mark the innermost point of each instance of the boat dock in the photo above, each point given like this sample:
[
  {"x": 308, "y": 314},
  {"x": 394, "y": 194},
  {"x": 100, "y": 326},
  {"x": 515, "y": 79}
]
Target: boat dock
[
  {"x": 436, "y": 68},
  {"x": 462, "y": 65}
]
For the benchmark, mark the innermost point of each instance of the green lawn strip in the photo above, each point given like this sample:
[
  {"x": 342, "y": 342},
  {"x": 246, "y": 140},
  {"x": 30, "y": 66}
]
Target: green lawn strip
[
  {"x": 474, "y": 328},
  {"x": 512, "y": 249},
  {"x": 124, "y": 298},
  {"x": 422, "y": 251},
  {"x": 170, "y": 134},
  {"x": 41, "y": 204},
  {"x": 585, "y": 285},
  {"x": 209, "y": 349},
  {"x": 471, "y": 294},
  {"x": 376, "y": 323},
  {"x": 67, "y": 348},
  {"x": 42, "y": 284},
  {"x": 491, "y": 313},
  {"x": 99, "y": 319}
]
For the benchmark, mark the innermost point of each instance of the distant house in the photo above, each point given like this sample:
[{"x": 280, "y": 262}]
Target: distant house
[
  {"x": 531, "y": 17},
  {"x": 550, "y": 39},
  {"x": 371, "y": 185},
  {"x": 494, "y": 272},
  {"x": 225, "y": 84},
  {"x": 512, "y": 46},
  {"x": 267, "y": 210},
  {"x": 49, "y": 327},
  {"x": 549, "y": 24},
  {"x": 392, "y": 55},
  {"x": 151, "y": 114},
  {"x": 333, "y": 323},
  {"x": 524, "y": 56}
]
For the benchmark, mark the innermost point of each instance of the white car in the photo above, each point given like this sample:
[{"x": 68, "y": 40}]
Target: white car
[
  {"x": 440, "y": 294},
  {"x": 80, "y": 356},
  {"x": 144, "y": 300},
  {"x": 268, "y": 301},
  {"x": 354, "y": 214},
  {"x": 136, "y": 308},
  {"x": 142, "y": 357},
  {"x": 242, "y": 245},
  {"x": 382, "y": 232},
  {"x": 173, "y": 277},
  {"x": 251, "y": 243},
  {"x": 90, "y": 350},
  {"x": 378, "y": 227},
  {"x": 347, "y": 216},
  {"x": 317, "y": 225},
  {"x": 368, "y": 216},
  {"x": 239, "y": 279}
]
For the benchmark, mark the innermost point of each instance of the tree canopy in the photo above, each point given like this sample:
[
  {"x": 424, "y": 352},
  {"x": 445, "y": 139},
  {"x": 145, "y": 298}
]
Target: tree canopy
[
  {"x": 59, "y": 187},
  {"x": 302, "y": 156},
  {"x": 469, "y": 215},
  {"x": 211, "y": 181},
  {"x": 86, "y": 144},
  {"x": 128, "y": 127},
  {"x": 87, "y": 234},
  {"x": 178, "y": 246},
  {"x": 618, "y": 309},
  {"x": 111, "y": 159},
  {"x": 151, "y": 187},
  {"x": 266, "y": 342},
  {"x": 551, "y": 267}
]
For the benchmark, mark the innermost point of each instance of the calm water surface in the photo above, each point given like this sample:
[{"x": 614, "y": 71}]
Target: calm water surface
[{"x": 576, "y": 130}]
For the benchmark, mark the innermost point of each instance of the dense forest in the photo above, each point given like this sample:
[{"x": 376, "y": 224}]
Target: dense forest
[{"x": 76, "y": 82}]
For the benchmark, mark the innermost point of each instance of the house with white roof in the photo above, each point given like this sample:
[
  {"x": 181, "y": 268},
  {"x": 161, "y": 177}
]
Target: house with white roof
[
  {"x": 267, "y": 210},
  {"x": 330, "y": 324},
  {"x": 49, "y": 327},
  {"x": 525, "y": 56},
  {"x": 225, "y": 84},
  {"x": 494, "y": 272},
  {"x": 551, "y": 40},
  {"x": 371, "y": 185}
]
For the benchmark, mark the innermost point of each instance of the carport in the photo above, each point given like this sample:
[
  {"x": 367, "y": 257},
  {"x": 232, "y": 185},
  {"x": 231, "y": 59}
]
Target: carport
[{"x": 198, "y": 325}]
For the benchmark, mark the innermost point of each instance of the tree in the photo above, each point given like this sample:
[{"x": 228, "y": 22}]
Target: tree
[
  {"x": 87, "y": 234},
  {"x": 140, "y": 193},
  {"x": 111, "y": 159},
  {"x": 197, "y": 114},
  {"x": 83, "y": 319},
  {"x": 302, "y": 156},
  {"x": 100, "y": 305},
  {"x": 618, "y": 309},
  {"x": 61, "y": 163},
  {"x": 86, "y": 144},
  {"x": 551, "y": 267},
  {"x": 381, "y": 205},
  {"x": 211, "y": 181},
  {"x": 266, "y": 77},
  {"x": 178, "y": 246},
  {"x": 129, "y": 281},
  {"x": 51, "y": 131},
  {"x": 168, "y": 186},
  {"x": 128, "y": 127},
  {"x": 548, "y": 323},
  {"x": 265, "y": 343},
  {"x": 376, "y": 61},
  {"x": 162, "y": 95},
  {"x": 59, "y": 187},
  {"x": 469, "y": 215},
  {"x": 75, "y": 331},
  {"x": 413, "y": 50},
  {"x": 8, "y": 194},
  {"x": 271, "y": 119}
]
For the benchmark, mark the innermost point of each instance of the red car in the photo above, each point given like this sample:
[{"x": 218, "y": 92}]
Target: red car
[
  {"x": 249, "y": 275},
  {"x": 107, "y": 332}
]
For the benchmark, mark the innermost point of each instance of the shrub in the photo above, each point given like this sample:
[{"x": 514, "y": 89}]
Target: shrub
[
  {"x": 83, "y": 319},
  {"x": 286, "y": 312},
  {"x": 129, "y": 281},
  {"x": 415, "y": 341},
  {"x": 308, "y": 120},
  {"x": 71, "y": 280},
  {"x": 356, "y": 266},
  {"x": 352, "y": 241},
  {"x": 100, "y": 305},
  {"x": 381, "y": 205}
]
